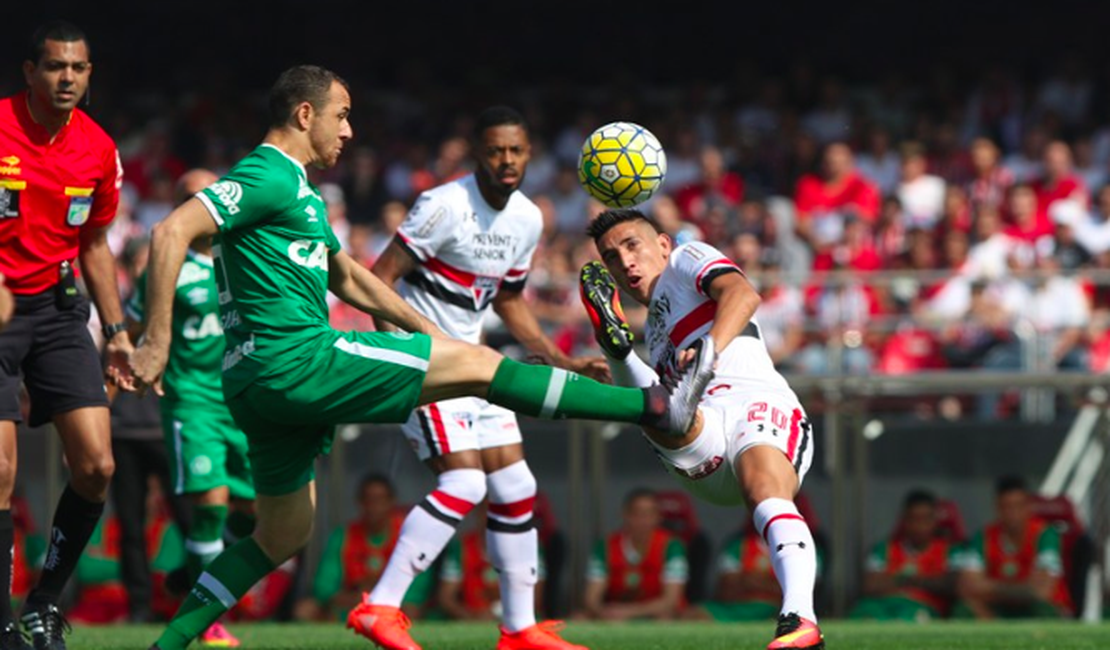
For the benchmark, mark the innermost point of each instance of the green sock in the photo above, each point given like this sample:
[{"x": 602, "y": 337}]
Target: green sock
[
  {"x": 223, "y": 583},
  {"x": 553, "y": 393},
  {"x": 240, "y": 524},
  {"x": 205, "y": 539}
]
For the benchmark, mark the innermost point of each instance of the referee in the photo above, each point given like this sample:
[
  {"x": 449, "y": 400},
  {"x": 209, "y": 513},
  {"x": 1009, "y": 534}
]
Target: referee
[{"x": 59, "y": 190}]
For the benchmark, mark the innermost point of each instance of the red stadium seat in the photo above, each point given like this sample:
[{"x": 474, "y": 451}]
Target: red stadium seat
[
  {"x": 678, "y": 512},
  {"x": 1076, "y": 547}
]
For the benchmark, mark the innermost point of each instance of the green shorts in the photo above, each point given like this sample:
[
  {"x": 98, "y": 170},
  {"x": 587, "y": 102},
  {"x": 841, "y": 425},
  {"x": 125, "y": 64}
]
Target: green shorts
[
  {"x": 206, "y": 450},
  {"x": 364, "y": 377}
]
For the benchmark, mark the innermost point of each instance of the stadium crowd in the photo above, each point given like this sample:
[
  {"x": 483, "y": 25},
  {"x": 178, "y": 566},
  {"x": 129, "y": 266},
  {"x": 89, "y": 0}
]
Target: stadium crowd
[{"x": 913, "y": 225}]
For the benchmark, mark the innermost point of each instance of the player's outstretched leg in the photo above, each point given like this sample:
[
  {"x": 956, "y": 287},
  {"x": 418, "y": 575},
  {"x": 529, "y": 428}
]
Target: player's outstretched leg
[
  {"x": 424, "y": 534},
  {"x": 794, "y": 558},
  {"x": 554, "y": 393},
  {"x": 599, "y": 296}
]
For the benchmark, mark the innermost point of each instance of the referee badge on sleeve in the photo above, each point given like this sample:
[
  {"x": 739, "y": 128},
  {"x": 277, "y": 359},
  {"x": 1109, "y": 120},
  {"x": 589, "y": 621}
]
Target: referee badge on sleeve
[
  {"x": 9, "y": 198},
  {"x": 80, "y": 205}
]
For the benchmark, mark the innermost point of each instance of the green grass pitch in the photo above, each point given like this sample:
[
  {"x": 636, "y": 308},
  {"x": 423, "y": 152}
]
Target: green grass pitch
[{"x": 651, "y": 636}]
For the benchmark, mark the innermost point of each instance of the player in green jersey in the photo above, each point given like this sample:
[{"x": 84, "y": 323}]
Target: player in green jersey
[
  {"x": 207, "y": 451},
  {"x": 289, "y": 378}
]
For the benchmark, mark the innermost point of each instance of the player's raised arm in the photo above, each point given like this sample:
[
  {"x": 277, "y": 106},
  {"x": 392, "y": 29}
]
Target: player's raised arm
[
  {"x": 737, "y": 301},
  {"x": 357, "y": 286},
  {"x": 169, "y": 242}
]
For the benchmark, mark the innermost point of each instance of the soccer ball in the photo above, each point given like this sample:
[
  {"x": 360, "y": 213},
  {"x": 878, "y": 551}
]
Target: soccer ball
[{"x": 622, "y": 164}]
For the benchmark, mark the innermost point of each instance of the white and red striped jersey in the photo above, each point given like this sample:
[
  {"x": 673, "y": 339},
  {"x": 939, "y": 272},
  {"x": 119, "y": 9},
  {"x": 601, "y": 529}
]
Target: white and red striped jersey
[
  {"x": 681, "y": 311},
  {"x": 467, "y": 253}
]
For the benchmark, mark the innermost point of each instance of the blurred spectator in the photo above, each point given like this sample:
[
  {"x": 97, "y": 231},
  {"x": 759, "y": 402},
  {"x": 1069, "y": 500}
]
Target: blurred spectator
[
  {"x": 364, "y": 188},
  {"x": 1058, "y": 182},
  {"x": 855, "y": 252},
  {"x": 1068, "y": 216},
  {"x": 921, "y": 194},
  {"x": 452, "y": 161},
  {"x": 890, "y": 231},
  {"x": 747, "y": 589},
  {"x": 640, "y": 571},
  {"x": 156, "y": 204},
  {"x": 991, "y": 181},
  {"x": 947, "y": 158},
  {"x": 841, "y": 311},
  {"x": 683, "y": 167},
  {"x": 921, "y": 259},
  {"x": 1013, "y": 567},
  {"x": 1025, "y": 163},
  {"x": 911, "y": 576},
  {"x": 759, "y": 119},
  {"x": 1092, "y": 227},
  {"x": 1058, "y": 309},
  {"x": 957, "y": 215},
  {"x": 880, "y": 163},
  {"x": 356, "y": 554},
  {"x": 667, "y": 215},
  {"x": 1027, "y": 227},
  {"x": 542, "y": 170},
  {"x": 716, "y": 188},
  {"x": 392, "y": 215},
  {"x": 830, "y": 120},
  {"x": 1068, "y": 93},
  {"x": 571, "y": 202},
  {"x": 336, "y": 202},
  {"x": 970, "y": 335},
  {"x": 155, "y": 160},
  {"x": 987, "y": 256},
  {"x": 408, "y": 176},
  {"x": 1092, "y": 172},
  {"x": 825, "y": 201}
]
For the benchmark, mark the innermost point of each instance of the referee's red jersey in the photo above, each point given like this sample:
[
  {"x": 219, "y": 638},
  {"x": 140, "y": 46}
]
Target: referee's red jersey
[{"x": 50, "y": 191}]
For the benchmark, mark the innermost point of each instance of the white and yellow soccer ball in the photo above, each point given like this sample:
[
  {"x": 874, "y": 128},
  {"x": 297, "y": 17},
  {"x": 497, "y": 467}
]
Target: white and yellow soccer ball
[{"x": 622, "y": 164}]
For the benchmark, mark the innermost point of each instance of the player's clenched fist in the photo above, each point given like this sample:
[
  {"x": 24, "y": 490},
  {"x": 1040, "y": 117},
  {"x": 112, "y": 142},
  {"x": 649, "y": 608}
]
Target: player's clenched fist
[{"x": 148, "y": 362}]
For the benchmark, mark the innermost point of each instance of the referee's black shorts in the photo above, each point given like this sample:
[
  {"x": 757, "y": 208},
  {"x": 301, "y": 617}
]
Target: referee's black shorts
[{"x": 53, "y": 353}]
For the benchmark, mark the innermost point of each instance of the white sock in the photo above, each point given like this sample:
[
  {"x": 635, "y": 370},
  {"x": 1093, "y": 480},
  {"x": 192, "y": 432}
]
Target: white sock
[
  {"x": 512, "y": 543},
  {"x": 793, "y": 554},
  {"x": 631, "y": 371},
  {"x": 426, "y": 531}
]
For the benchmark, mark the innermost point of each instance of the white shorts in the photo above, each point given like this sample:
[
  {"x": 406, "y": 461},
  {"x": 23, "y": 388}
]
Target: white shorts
[
  {"x": 459, "y": 424},
  {"x": 735, "y": 423}
]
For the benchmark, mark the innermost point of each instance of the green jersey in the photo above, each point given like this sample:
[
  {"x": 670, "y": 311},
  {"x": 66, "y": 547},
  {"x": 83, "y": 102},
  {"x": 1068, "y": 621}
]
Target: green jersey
[
  {"x": 271, "y": 259},
  {"x": 196, "y": 352}
]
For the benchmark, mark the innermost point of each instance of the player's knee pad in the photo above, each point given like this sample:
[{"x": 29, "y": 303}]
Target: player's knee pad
[
  {"x": 511, "y": 484},
  {"x": 466, "y": 484}
]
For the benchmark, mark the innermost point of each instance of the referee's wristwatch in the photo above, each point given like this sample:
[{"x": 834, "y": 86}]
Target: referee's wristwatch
[{"x": 112, "y": 329}]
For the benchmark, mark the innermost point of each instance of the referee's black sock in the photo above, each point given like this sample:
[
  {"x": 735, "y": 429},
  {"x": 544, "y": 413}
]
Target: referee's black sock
[
  {"x": 7, "y": 540},
  {"x": 74, "y": 522}
]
